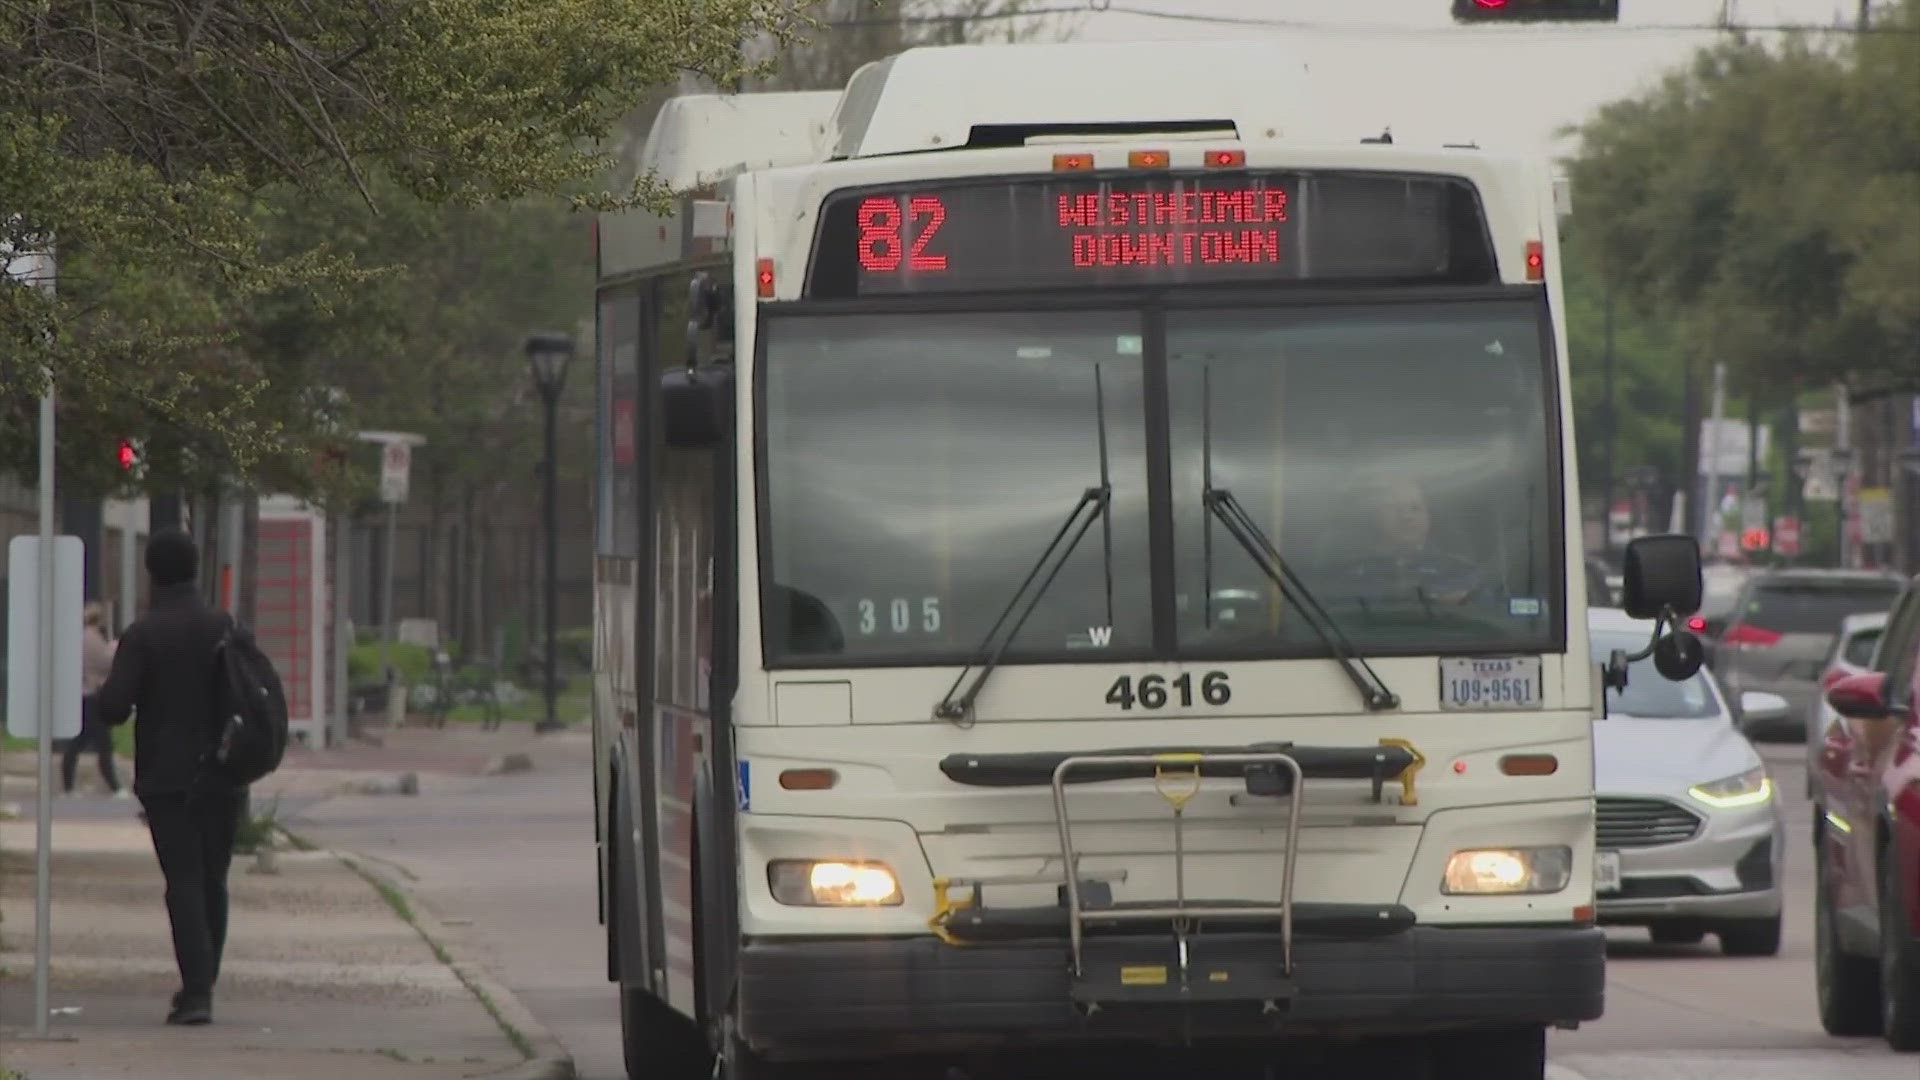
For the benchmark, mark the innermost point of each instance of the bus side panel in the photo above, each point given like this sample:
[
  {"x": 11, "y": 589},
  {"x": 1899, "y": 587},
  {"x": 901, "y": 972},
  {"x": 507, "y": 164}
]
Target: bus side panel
[
  {"x": 682, "y": 657},
  {"x": 625, "y": 534}
]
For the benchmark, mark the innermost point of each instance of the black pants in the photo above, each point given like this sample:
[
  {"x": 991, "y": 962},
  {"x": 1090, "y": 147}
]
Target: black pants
[
  {"x": 193, "y": 837},
  {"x": 99, "y": 737}
]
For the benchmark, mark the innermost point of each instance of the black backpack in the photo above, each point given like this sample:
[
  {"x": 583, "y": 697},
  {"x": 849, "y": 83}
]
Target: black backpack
[{"x": 252, "y": 733}]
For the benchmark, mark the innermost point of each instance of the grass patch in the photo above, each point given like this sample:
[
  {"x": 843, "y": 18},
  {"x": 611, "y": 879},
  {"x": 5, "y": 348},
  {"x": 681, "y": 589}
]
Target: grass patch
[
  {"x": 122, "y": 747},
  {"x": 397, "y": 900},
  {"x": 573, "y": 704},
  {"x": 258, "y": 830}
]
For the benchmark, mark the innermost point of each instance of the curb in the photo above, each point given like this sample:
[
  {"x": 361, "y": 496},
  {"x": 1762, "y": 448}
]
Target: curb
[{"x": 546, "y": 1058}]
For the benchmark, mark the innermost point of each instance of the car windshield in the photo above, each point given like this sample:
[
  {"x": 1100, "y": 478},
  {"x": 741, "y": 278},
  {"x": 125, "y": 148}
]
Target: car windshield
[
  {"x": 916, "y": 465},
  {"x": 1811, "y": 607},
  {"x": 1650, "y": 695}
]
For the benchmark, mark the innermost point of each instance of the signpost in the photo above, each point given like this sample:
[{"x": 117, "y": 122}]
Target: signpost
[
  {"x": 36, "y": 270},
  {"x": 396, "y": 467}
]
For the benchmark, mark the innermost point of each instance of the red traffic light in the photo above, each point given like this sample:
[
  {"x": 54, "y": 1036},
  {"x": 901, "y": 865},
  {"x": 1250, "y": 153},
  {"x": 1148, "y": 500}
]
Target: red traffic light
[{"x": 128, "y": 455}]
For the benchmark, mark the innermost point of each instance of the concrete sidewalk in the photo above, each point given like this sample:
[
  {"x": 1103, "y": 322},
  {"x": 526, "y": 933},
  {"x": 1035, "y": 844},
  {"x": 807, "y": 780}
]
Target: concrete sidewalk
[{"x": 322, "y": 977}]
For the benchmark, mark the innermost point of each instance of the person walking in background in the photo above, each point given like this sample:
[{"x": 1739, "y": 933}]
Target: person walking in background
[
  {"x": 165, "y": 672},
  {"x": 96, "y": 660}
]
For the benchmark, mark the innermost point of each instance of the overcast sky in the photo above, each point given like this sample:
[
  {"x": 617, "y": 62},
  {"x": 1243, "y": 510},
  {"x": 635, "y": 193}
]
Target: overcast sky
[{"x": 1508, "y": 87}]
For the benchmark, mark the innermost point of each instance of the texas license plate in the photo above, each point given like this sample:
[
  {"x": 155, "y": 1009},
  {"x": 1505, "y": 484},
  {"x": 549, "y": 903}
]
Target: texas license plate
[
  {"x": 1606, "y": 872},
  {"x": 1510, "y": 682}
]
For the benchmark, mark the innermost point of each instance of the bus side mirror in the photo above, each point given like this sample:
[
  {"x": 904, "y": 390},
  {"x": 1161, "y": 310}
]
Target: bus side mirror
[
  {"x": 1678, "y": 656},
  {"x": 696, "y": 407},
  {"x": 1662, "y": 575}
]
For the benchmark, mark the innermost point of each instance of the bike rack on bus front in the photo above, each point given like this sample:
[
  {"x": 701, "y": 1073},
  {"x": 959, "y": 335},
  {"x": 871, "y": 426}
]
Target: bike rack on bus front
[{"x": 1112, "y": 967}]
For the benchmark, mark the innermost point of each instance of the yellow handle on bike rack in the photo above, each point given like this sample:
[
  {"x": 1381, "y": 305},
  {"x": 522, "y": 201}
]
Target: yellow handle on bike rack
[
  {"x": 1170, "y": 767},
  {"x": 944, "y": 907},
  {"x": 1409, "y": 796}
]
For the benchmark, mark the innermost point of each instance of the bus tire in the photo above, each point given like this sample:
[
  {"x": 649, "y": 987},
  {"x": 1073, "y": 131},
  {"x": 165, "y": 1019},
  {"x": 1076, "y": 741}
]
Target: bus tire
[
  {"x": 658, "y": 1043},
  {"x": 1508, "y": 1054}
]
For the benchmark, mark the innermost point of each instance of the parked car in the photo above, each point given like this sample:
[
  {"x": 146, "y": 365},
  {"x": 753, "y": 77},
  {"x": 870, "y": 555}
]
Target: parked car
[
  {"x": 1852, "y": 653},
  {"x": 1779, "y": 632},
  {"x": 1866, "y": 819},
  {"x": 1690, "y": 836}
]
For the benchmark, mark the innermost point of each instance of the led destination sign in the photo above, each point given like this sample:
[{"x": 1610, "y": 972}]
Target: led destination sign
[{"x": 1047, "y": 232}]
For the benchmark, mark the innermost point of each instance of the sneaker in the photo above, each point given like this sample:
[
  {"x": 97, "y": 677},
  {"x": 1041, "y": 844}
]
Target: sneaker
[
  {"x": 123, "y": 793},
  {"x": 189, "y": 1014}
]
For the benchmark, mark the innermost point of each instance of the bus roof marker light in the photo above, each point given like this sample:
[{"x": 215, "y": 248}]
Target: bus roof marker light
[
  {"x": 1536, "y": 261},
  {"x": 763, "y": 277},
  {"x": 1226, "y": 159},
  {"x": 1072, "y": 162},
  {"x": 1148, "y": 159}
]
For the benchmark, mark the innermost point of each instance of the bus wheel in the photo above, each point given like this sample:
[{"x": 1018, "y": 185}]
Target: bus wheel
[
  {"x": 659, "y": 1043},
  {"x": 1512, "y": 1054}
]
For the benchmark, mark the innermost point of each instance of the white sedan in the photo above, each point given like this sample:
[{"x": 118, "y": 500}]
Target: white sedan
[{"x": 1689, "y": 834}]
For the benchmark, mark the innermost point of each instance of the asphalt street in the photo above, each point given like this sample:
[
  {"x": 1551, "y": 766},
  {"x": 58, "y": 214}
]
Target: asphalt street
[{"x": 511, "y": 858}]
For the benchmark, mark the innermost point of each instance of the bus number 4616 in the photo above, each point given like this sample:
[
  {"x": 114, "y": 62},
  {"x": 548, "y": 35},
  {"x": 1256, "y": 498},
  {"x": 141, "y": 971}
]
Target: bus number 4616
[{"x": 1156, "y": 691}]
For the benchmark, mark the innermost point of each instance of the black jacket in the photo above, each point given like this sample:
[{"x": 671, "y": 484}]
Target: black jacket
[{"x": 164, "y": 671}]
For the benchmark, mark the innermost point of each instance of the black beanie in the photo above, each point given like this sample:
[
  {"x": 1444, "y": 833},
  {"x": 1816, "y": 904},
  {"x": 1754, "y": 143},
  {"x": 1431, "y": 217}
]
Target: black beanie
[{"x": 172, "y": 558}]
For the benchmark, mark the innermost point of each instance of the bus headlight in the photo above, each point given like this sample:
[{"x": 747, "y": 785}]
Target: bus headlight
[
  {"x": 798, "y": 883},
  {"x": 1750, "y": 788},
  {"x": 1508, "y": 871}
]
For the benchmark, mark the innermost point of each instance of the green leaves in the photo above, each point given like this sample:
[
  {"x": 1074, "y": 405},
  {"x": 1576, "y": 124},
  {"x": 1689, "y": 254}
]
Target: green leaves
[
  {"x": 1768, "y": 200},
  {"x": 220, "y": 180}
]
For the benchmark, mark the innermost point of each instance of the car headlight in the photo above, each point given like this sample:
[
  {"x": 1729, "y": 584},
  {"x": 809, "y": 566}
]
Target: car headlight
[
  {"x": 799, "y": 883},
  {"x": 1750, "y": 788},
  {"x": 1508, "y": 871}
]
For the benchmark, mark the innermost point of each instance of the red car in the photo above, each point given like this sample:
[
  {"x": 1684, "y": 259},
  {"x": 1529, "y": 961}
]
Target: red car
[{"x": 1867, "y": 843}]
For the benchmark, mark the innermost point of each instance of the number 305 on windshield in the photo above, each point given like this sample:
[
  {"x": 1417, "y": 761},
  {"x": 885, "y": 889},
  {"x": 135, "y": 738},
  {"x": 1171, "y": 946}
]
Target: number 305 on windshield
[{"x": 1157, "y": 691}]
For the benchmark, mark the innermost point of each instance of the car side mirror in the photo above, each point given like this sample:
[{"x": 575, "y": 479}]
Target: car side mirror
[
  {"x": 696, "y": 406},
  {"x": 1662, "y": 575},
  {"x": 1865, "y": 697}
]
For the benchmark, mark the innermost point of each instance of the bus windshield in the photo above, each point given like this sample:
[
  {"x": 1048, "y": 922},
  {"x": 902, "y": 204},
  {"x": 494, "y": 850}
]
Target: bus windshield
[{"x": 1399, "y": 457}]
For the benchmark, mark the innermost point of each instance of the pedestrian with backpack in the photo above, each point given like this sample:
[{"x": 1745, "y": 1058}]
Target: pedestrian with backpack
[{"x": 205, "y": 728}]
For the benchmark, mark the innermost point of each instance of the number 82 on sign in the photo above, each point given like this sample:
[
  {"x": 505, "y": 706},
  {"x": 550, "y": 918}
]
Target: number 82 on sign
[{"x": 1482, "y": 683}]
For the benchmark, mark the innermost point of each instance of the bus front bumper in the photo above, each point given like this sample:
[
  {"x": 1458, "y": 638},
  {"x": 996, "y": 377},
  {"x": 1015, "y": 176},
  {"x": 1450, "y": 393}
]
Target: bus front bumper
[{"x": 813, "y": 997}]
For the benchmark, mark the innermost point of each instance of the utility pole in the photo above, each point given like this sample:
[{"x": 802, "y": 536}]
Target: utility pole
[
  {"x": 1611, "y": 430},
  {"x": 1843, "y": 473},
  {"x": 1710, "y": 448},
  {"x": 1866, "y": 15}
]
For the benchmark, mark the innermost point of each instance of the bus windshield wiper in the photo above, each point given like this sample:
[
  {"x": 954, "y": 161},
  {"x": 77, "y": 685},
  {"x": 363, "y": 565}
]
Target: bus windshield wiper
[
  {"x": 1095, "y": 504},
  {"x": 1220, "y": 503}
]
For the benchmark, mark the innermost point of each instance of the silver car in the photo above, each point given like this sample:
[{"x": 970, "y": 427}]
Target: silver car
[
  {"x": 1853, "y": 653},
  {"x": 1781, "y": 630},
  {"x": 1689, "y": 834}
]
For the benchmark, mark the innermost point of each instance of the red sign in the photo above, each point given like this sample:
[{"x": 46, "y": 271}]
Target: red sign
[
  {"x": 1786, "y": 535},
  {"x": 623, "y": 433}
]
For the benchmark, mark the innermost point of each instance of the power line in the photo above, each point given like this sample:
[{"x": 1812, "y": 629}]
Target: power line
[{"x": 1584, "y": 29}]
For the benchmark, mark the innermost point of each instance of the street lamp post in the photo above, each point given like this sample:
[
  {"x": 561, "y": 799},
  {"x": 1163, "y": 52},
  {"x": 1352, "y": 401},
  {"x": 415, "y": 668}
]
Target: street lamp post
[{"x": 547, "y": 354}]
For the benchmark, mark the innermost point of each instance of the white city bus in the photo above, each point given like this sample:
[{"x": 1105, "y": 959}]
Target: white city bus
[{"x": 1087, "y": 558}]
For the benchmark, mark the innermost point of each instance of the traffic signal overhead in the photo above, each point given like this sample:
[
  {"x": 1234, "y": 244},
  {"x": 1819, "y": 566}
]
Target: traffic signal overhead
[{"x": 1487, "y": 11}]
